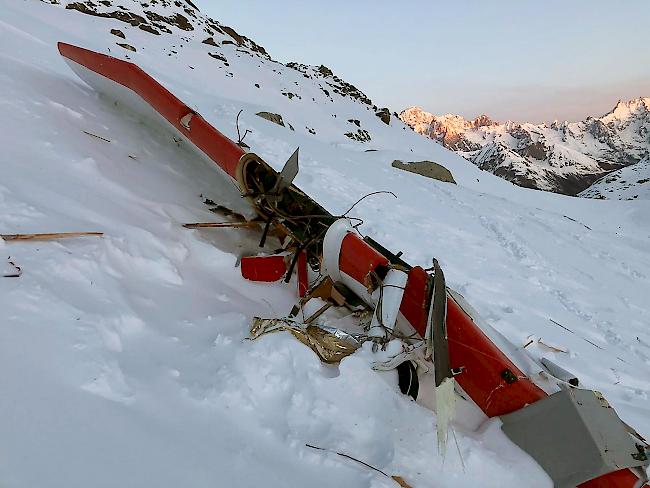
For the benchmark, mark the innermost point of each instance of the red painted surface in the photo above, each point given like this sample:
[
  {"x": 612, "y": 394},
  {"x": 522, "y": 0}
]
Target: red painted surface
[
  {"x": 483, "y": 364},
  {"x": 213, "y": 143},
  {"x": 617, "y": 479},
  {"x": 263, "y": 268},
  {"x": 469, "y": 347},
  {"x": 357, "y": 258},
  {"x": 414, "y": 307},
  {"x": 481, "y": 379},
  {"x": 303, "y": 278}
]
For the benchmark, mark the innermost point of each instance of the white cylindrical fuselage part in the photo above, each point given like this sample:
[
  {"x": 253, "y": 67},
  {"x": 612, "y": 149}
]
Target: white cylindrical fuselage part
[{"x": 387, "y": 298}]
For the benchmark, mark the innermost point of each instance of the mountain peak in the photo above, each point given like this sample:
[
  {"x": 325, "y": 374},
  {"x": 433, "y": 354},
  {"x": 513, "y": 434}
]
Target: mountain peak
[
  {"x": 446, "y": 129},
  {"x": 626, "y": 109},
  {"x": 565, "y": 157}
]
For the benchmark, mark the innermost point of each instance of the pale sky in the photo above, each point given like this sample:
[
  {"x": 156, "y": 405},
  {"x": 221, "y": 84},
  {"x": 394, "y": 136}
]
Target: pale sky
[{"x": 521, "y": 60}]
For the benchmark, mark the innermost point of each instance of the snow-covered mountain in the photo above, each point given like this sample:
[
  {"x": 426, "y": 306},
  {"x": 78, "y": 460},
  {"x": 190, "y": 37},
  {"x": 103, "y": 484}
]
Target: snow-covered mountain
[
  {"x": 627, "y": 183},
  {"x": 124, "y": 358},
  {"x": 563, "y": 157}
]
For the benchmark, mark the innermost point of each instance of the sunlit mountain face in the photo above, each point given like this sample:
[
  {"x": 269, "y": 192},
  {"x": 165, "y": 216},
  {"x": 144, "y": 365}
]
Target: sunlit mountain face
[{"x": 563, "y": 157}]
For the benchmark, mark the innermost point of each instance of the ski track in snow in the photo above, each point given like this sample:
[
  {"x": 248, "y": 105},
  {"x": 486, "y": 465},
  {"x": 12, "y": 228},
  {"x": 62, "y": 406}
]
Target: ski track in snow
[{"x": 125, "y": 357}]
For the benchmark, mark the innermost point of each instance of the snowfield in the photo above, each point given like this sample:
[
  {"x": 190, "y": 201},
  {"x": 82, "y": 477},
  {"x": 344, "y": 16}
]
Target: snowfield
[
  {"x": 627, "y": 183},
  {"x": 124, "y": 359}
]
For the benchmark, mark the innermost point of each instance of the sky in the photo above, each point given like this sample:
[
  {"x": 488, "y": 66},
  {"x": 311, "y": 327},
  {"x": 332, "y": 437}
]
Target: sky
[{"x": 519, "y": 60}]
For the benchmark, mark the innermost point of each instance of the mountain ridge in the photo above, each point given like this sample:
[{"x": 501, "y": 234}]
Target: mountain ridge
[{"x": 563, "y": 157}]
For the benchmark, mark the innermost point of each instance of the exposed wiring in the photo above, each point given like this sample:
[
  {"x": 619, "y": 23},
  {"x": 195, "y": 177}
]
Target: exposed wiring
[
  {"x": 240, "y": 138},
  {"x": 366, "y": 196}
]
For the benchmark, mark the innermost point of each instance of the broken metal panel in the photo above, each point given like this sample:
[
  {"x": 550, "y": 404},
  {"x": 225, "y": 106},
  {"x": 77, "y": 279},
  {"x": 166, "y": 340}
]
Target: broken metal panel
[
  {"x": 575, "y": 436},
  {"x": 299, "y": 216},
  {"x": 390, "y": 294},
  {"x": 330, "y": 345},
  {"x": 288, "y": 173},
  {"x": 560, "y": 373},
  {"x": 264, "y": 268}
]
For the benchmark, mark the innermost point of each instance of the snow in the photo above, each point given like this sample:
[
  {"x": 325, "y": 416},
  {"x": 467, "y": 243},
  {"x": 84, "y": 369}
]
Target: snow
[
  {"x": 624, "y": 184},
  {"x": 124, "y": 358},
  {"x": 626, "y": 109},
  {"x": 551, "y": 158}
]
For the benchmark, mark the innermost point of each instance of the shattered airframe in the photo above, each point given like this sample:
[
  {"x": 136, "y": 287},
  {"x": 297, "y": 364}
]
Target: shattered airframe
[{"x": 415, "y": 323}]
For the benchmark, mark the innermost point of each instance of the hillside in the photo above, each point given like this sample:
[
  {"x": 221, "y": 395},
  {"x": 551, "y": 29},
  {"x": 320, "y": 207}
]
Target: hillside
[
  {"x": 124, "y": 358},
  {"x": 627, "y": 183},
  {"x": 564, "y": 157}
]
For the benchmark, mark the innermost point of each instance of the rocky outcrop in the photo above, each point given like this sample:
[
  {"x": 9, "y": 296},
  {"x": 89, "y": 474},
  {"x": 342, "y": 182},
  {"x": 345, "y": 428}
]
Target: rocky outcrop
[
  {"x": 179, "y": 24},
  {"x": 428, "y": 169},
  {"x": 384, "y": 115},
  {"x": 210, "y": 41},
  {"x": 336, "y": 84},
  {"x": 128, "y": 47},
  {"x": 360, "y": 135},
  {"x": 90, "y": 9},
  {"x": 271, "y": 117},
  {"x": 187, "y": 19}
]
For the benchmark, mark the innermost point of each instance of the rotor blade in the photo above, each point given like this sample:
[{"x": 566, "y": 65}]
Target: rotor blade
[{"x": 439, "y": 326}]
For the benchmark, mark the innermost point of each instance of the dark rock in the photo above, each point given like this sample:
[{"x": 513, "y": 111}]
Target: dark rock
[
  {"x": 213, "y": 25},
  {"x": 148, "y": 28},
  {"x": 336, "y": 84},
  {"x": 325, "y": 71},
  {"x": 360, "y": 135},
  {"x": 243, "y": 41},
  {"x": 384, "y": 115},
  {"x": 122, "y": 16},
  {"x": 600, "y": 131},
  {"x": 118, "y": 33},
  {"x": 219, "y": 57},
  {"x": 126, "y": 46},
  {"x": 177, "y": 20},
  {"x": 210, "y": 41},
  {"x": 290, "y": 95},
  {"x": 232, "y": 33},
  {"x": 535, "y": 150},
  {"x": 271, "y": 117}
]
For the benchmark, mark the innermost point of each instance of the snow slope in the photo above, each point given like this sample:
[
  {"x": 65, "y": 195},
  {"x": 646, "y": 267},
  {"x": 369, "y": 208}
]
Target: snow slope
[
  {"x": 626, "y": 183},
  {"x": 124, "y": 358},
  {"x": 563, "y": 157}
]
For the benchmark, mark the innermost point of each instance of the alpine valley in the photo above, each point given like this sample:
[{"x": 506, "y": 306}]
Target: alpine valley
[{"x": 563, "y": 157}]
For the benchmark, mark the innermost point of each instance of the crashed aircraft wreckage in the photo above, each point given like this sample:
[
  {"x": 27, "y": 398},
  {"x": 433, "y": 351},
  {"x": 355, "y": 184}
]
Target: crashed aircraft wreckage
[{"x": 417, "y": 325}]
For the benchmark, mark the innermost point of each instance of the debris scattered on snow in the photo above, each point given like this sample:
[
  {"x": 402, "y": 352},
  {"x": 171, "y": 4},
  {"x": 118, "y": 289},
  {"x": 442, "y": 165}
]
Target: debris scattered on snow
[{"x": 48, "y": 236}]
